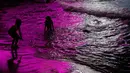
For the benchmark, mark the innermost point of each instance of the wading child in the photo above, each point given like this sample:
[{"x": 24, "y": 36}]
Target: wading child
[
  {"x": 15, "y": 33},
  {"x": 49, "y": 31}
]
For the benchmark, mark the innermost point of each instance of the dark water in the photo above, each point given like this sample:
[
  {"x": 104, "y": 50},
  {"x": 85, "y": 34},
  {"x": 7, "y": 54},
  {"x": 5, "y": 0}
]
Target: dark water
[
  {"x": 107, "y": 40},
  {"x": 107, "y": 46}
]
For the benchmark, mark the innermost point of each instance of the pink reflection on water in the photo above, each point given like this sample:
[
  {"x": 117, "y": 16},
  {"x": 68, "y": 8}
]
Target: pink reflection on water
[{"x": 33, "y": 17}]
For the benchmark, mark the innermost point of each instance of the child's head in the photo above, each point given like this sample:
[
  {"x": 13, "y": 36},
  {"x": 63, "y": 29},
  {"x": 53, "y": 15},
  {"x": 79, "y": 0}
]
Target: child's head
[
  {"x": 18, "y": 22},
  {"x": 48, "y": 18}
]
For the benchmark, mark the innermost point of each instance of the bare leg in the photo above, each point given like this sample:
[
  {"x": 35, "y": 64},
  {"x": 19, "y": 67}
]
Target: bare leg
[
  {"x": 12, "y": 52},
  {"x": 12, "y": 48},
  {"x": 49, "y": 44},
  {"x": 16, "y": 47},
  {"x": 16, "y": 42},
  {"x": 16, "y": 53},
  {"x": 12, "y": 43}
]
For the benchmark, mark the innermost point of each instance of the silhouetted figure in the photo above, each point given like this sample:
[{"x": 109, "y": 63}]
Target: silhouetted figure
[
  {"x": 15, "y": 33},
  {"x": 13, "y": 66},
  {"x": 49, "y": 31},
  {"x": 47, "y": 1}
]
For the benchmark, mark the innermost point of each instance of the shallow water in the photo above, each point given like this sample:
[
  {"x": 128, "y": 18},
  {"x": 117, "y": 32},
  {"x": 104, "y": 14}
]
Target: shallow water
[
  {"x": 107, "y": 40},
  {"x": 33, "y": 17}
]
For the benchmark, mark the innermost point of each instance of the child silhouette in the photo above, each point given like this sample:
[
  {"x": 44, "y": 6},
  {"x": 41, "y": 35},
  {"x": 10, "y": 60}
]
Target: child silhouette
[
  {"x": 15, "y": 33},
  {"x": 49, "y": 31}
]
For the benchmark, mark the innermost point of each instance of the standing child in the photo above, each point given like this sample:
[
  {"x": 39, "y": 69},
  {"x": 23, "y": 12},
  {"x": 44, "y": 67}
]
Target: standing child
[
  {"x": 15, "y": 33},
  {"x": 49, "y": 31}
]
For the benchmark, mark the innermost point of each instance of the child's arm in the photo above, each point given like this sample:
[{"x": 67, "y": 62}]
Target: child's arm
[
  {"x": 45, "y": 27},
  {"x": 20, "y": 33},
  {"x": 53, "y": 26}
]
